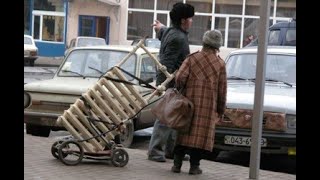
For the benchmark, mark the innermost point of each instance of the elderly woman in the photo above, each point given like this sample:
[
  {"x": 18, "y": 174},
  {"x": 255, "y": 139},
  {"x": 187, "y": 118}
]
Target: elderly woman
[{"x": 203, "y": 75}]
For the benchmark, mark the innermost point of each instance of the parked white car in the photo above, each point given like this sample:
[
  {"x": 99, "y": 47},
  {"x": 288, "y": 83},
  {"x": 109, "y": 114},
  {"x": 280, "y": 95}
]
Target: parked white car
[
  {"x": 83, "y": 41},
  {"x": 79, "y": 71},
  {"x": 30, "y": 50},
  {"x": 233, "y": 133}
]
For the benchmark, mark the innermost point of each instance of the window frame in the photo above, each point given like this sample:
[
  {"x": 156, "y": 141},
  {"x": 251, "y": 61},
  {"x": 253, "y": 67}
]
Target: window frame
[{"x": 46, "y": 13}]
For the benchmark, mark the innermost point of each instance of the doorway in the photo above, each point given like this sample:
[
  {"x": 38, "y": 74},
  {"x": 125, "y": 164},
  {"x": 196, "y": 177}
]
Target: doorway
[{"x": 94, "y": 26}]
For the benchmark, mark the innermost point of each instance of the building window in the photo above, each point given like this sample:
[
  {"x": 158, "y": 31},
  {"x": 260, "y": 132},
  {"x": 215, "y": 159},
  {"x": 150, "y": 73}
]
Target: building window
[
  {"x": 139, "y": 25},
  {"x": 203, "y": 6},
  {"x": 49, "y": 5},
  {"x": 166, "y": 4},
  {"x": 36, "y": 27},
  {"x": 228, "y": 7},
  {"x": 250, "y": 28},
  {"x": 26, "y": 17},
  {"x": 163, "y": 18},
  {"x": 48, "y": 26},
  {"x": 220, "y": 24},
  {"x": 52, "y": 28},
  {"x": 234, "y": 32},
  {"x": 200, "y": 24},
  {"x": 286, "y": 8},
  {"x": 253, "y": 7},
  {"x": 228, "y": 16},
  {"x": 141, "y": 4}
]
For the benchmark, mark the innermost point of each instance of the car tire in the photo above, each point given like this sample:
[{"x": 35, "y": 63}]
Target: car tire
[
  {"x": 212, "y": 156},
  {"x": 31, "y": 63},
  {"x": 126, "y": 137},
  {"x": 36, "y": 130}
]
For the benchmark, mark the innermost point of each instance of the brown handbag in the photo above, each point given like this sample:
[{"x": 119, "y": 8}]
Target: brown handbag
[{"x": 174, "y": 110}]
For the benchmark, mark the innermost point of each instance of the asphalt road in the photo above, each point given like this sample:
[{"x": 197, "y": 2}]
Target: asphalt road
[{"x": 274, "y": 163}]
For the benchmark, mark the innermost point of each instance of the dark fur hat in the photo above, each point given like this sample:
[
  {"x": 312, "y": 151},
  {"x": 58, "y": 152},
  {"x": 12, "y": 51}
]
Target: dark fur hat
[{"x": 181, "y": 11}]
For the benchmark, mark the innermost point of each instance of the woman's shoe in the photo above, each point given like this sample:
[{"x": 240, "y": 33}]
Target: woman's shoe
[
  {"x": 176, "y": 169},
  {"x": 195, "y": 170}
]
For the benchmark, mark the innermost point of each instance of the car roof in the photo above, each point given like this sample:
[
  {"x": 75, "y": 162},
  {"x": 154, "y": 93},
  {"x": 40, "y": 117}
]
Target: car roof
[
  {"x": 270, "y": 50},
  {"x": 127, "y": 48},
  {"x": 87, "y": 37},
  {"x": 291, "y": 24},
  {"x": 28, "y": 36}
]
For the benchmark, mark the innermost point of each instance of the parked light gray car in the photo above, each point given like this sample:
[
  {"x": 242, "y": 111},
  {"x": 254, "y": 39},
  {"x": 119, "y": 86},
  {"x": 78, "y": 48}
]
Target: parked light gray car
[
  {"x": 233, "y": 132},
  {"x": 80, "y": 70}
]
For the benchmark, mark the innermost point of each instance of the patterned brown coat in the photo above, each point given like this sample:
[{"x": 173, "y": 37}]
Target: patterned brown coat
[{"x": 204, "y": 76}]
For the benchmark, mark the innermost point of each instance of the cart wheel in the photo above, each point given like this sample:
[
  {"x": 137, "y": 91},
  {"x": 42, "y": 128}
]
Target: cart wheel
[
  {"x": 54, "y": 149},
  {"x": 70, "y": 153},
  {"x": 119, "y": 157}
]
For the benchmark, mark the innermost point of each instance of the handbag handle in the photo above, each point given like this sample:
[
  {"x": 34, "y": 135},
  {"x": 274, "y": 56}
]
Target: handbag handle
[{"x": 181, "y": 90}]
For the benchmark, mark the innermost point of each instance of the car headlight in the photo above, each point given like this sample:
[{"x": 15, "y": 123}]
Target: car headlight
[
  {"x": 291, "y": 121},
  {"x": 27, "y": 99}
]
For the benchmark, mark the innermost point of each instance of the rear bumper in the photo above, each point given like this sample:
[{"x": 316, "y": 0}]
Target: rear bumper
[
  {"x": 277, "y": 143},
  {"x": 33, "y": 58},
  {"x": 41, "y": 118}
]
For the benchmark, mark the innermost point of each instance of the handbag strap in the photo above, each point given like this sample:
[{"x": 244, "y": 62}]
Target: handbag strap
[{"x": 181, "y": 90}]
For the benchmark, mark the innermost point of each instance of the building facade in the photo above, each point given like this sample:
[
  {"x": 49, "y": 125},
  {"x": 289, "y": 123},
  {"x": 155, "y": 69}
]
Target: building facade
[{"x": 53, "y": 23}]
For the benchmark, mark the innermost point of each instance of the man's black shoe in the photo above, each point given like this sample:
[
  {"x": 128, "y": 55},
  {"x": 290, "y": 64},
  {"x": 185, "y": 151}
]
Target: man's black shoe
[
  {"x": 186, "y": 157},
  {"x": 157, "y": 158}
]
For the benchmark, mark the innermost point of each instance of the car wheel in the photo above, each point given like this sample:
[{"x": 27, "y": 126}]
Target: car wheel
[
  {"x": 126, "y": 137},
  {"x": 31, "y": 63},
  {"x": 212, "y": 156},
  {"x": 26, "y": 62},
  {"x": 37, "y": 130}
]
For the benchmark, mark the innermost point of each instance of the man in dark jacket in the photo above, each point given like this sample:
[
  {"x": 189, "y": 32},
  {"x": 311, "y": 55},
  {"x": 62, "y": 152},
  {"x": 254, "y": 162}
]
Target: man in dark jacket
[{"x": 173, "y": 50}]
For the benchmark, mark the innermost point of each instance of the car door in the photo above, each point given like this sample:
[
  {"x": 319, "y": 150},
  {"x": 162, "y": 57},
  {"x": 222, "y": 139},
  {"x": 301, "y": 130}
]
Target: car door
[{"x": 147, "y": 70}]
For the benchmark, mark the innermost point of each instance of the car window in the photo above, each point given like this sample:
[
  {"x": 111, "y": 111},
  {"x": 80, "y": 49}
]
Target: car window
[
  {"x": 91, "y": 63},
  {"x": 148, "y": 68},
  {"x": 278, "y": 67},
  {"x": 135, "y": 42},
  {"x": 153, "y": 43},
  {"x": 82, "y": 42},
  {"x": 274, "y": 37},
  {"x": 27, "y": 40},
  {"x": 290, "y": 37}
]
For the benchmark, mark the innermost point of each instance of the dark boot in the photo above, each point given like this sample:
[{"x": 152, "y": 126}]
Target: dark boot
[
  {"x": 176, "y": 169},
  {"x": 177, "y": 163},
  {"x": 195, "y": 170}
]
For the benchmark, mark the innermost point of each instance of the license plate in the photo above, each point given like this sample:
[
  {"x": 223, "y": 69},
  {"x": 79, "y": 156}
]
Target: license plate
[{"x": 242, "y": 141}]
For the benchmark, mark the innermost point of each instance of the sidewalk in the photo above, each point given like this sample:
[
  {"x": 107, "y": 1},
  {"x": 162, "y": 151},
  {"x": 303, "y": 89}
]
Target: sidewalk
[
  {"x": 40, "y": 164},
  {"x": 48, "y": 61}
]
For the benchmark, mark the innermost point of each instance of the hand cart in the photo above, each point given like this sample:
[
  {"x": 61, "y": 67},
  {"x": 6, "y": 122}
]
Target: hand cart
[{"x": 102, "y": 113}]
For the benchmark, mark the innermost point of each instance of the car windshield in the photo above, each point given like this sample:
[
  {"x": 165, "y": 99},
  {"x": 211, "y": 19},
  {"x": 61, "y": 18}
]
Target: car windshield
[
  {"x": 153, "y": 43},
  {"x": 27, "y": 40},
  {"x": 82, "y": 42},
  {"x": 94, "y": 63},
  {"x": 278, "y": 67}
]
